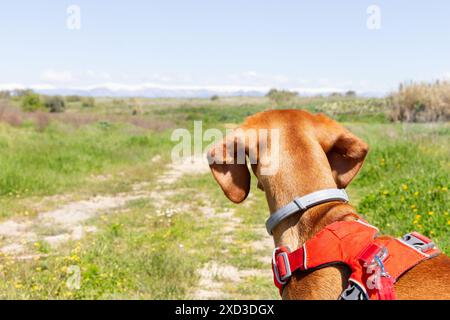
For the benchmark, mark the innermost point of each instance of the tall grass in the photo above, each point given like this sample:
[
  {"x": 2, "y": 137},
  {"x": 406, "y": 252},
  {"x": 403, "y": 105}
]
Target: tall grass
[
  {"x": 42, "y": 162},
  {"x": 421, "y": 102}
]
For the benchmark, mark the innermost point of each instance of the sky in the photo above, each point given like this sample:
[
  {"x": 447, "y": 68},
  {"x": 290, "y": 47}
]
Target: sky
[{"x": 314, "y": 45}]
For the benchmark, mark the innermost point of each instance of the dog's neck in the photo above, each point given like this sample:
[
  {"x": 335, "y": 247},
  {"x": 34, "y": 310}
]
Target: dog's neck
[
  {"x": 297, "y": 229},
  {"x": 294, "y": 231}
]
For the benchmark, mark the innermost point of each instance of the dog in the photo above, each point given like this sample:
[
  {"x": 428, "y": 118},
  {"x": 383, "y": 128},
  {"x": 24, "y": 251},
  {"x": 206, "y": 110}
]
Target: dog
[{"x": 315, "y": 153}]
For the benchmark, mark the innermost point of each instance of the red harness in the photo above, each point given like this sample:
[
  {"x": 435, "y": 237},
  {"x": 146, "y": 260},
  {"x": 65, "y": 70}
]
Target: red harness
[{"x": 376, "y": 262}]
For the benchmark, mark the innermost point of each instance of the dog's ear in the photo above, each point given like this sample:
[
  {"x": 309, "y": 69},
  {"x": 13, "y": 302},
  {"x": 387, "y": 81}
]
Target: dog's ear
[
  {"x": 346, "y": 158},
  {"x": 227, "y": 161}
]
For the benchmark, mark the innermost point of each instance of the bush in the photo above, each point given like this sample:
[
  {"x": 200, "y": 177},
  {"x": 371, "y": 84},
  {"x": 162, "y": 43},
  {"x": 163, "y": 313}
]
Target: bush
[
  {"x": 10, "y": 115},
  {"x": 5, "y": 94},
  {"x": 421, "y": 102},
  {"x": 88, "y": 102},
  {"x": 55, "y": 104},
  {"x": 354, "y": 109},
  {"x": 350, "y": 93},
  {"x": 215, "y": 97},
  {"x": 281, "y": 97},
  {"x": 73, "y": 98},
  {"x": 31, "y": 102}
]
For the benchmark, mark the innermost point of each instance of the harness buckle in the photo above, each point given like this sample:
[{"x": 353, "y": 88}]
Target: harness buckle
[
  {"x": 373, "y": 253},
  {"x": 418, "y": 241},
  {"x": 282, "y": 265}
]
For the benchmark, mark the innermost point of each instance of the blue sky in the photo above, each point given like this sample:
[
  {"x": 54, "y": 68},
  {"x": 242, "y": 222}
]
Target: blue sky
[{"x": 288, "y": 44}]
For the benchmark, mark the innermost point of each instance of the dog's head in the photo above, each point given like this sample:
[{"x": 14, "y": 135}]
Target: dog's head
[{"x": 291, "y": 152}]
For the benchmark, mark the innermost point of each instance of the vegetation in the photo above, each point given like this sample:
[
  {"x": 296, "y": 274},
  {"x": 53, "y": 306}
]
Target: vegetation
[
  {"x": 281, "y": 97},
  {"x": 31, "y": 102},
  {"x": 153, "y": 247},
  {"x": 5, "y": 94},
  {"x": 421, "y": 102},
  {"x": 88, "y": 102},
  {"x": 55, "y": 104}
]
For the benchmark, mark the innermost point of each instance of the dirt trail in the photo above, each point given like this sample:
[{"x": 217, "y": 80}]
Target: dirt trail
[
  {"x": 214, "y": 276},
  {"x": 68, "y": 222}
]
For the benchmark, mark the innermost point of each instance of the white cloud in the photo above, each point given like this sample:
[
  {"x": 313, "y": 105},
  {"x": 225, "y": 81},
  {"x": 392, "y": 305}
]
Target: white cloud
[
  {"x": 95, "y": 75},
  {"x": 248, "y": 81},
  {"x": 11, "y": 86},
  {"x": 252, "y": 78},
  {"x": 57, "y": 76}
]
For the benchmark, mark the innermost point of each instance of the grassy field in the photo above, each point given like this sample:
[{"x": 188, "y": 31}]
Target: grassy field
[{"x": 172, "y": 234}]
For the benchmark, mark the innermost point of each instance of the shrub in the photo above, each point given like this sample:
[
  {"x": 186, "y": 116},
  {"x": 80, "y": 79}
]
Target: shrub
[
  {"x": 281, "y": 97},
  {"x": 10, "y": 115},
  {"x": 73, "y": 98},
  {"x": 354, "y": 109},
  {"x": 350, "y": 93},
  {"x": 118, "y": 102},
  {"x": 5, "y": 94},
  {"x": 31, "y": 102},
  {"x": 421, "y": 102},
  {"x": 55, "y": 104},
  {"x": 41, "y": 120},
  {"x": 88, "y": 102},
  {"x": 215, "y": 97}
]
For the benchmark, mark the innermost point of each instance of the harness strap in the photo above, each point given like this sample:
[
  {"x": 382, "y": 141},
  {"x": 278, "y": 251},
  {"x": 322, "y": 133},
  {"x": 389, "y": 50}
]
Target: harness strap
[{"x": 376, "y": 262}]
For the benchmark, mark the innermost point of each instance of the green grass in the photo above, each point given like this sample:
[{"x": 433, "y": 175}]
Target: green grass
[
  {"x": 405, "y": 181},
  {"x": 139, "y": 253},
  {"x": 62, "y": 158}
]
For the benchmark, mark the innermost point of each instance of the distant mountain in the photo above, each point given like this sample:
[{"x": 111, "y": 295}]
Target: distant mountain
[
  {"x": 150, "y": 92},
  {"x": 159, "y": 91}
]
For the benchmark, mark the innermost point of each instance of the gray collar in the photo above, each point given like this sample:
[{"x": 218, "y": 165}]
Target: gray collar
[{"x": 303, "y": 203}]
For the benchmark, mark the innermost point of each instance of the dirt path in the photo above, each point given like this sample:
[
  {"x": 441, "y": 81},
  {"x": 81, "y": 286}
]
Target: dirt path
[
  {"x": 215, "y": 276},
  {"x": 69, "y": 221}
]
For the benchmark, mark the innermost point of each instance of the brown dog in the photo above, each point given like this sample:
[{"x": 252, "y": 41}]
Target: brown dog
[{"x": 315, "y": 153}]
